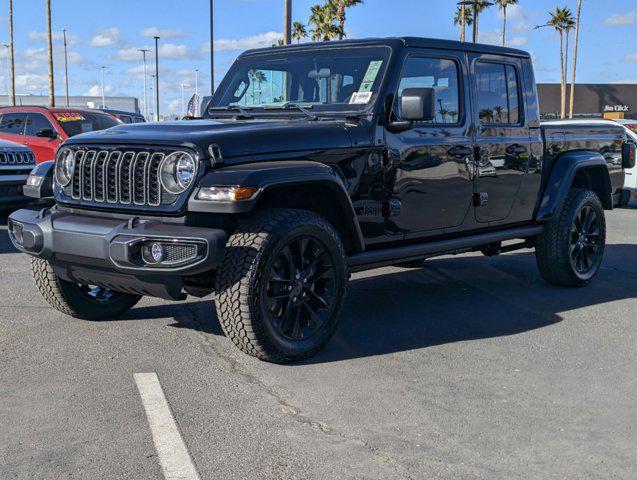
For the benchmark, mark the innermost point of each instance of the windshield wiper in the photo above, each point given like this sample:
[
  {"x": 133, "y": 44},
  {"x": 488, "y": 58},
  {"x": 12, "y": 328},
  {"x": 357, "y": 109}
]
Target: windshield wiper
[
  {"x": 243, "y": 111},
  {"x": 294, "y": 106}
]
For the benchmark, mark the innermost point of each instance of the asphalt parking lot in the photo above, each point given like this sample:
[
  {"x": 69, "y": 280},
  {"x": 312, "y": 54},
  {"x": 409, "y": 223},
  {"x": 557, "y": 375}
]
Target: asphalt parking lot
[{"x": 470, "y": 368}]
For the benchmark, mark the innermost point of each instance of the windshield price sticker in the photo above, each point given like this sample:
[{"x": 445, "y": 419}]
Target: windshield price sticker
[
  {"x": 361, "y": 98},
  {"x": 69, "y": 117}
]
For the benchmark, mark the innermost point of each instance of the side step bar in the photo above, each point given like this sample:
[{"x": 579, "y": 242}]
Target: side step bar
[{"x": 390, "y": 256}]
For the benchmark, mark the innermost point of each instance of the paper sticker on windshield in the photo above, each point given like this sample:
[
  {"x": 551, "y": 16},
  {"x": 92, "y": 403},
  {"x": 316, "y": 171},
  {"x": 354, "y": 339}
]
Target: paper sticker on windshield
[
  {"x": 361, "y": 98},
  {"x": 68, "y": 117},
  {"x": 370, "y": 76}
]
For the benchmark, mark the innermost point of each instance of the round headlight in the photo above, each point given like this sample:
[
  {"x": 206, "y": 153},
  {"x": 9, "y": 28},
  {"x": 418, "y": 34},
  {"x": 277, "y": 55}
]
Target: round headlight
[
  {"x": 64, "y": 167},
  {"x": 178, "y": 172}
]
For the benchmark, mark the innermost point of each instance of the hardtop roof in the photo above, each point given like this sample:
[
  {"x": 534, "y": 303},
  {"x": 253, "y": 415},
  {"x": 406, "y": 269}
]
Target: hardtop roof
[{"x": 419, "y": 42}]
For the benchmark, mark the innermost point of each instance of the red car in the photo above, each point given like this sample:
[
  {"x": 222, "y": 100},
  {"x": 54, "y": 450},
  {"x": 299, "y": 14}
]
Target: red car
[{"x": 43, "y": 129}]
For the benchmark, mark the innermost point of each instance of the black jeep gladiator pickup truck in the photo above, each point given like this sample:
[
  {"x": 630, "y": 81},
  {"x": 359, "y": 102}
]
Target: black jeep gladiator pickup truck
[{"x": 313, "y": 161}]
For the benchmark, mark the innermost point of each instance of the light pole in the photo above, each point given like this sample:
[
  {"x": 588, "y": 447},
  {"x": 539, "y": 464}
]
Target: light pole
[
  {"x": 66, "y": 68},
  {"x": 212, "y": 48},
  {"x": 287, "y": 22},
  {"x": 157, "y": 79},
  {"x": 102, "y": 72},
  {"x": 183, "y": 104},
  {"x": 152, "y": 90},
  {"x": 7, "y": 72},
  {"x": 144, "y": 52}
]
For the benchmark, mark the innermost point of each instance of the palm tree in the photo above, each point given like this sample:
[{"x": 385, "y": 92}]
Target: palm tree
[
  {"x": 503, "y": 4},
  {"x": 323, "y": 17},
  {"x": 562, "y": 20},
  {"x": 11, "y": 56},
  {"x": 341, "y": 8},
  {"x": 577, "y": 24},
  {"x": 477, "y": 7},
  {"x": 50, "y": 47},
  {"x": 299, "y": 31},
  {"x": 463, "y": 18}
]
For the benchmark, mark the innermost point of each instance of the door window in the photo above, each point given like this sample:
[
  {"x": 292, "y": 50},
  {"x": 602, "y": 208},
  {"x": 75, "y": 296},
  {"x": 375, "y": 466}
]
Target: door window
[
  {"x": 35, "y": 123},
  {"x": 441, "y": 74},
  {"x": 13, "y": 123},
  {"x": 497, "y": 93}
]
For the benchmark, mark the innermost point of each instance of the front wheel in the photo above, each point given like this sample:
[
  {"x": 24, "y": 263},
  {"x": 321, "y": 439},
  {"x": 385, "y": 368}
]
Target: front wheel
[
  {"x": 88, "y": 302},
  {"x": 570, "y": 250},
  {"x": 282, "y": 284}
]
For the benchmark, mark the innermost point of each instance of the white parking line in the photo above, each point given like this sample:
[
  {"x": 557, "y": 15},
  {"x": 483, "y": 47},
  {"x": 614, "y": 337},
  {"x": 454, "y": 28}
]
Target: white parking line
[{"x": 173, "y": 455}]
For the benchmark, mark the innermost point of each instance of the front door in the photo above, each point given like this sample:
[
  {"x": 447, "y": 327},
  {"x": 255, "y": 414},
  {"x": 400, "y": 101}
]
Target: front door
[
  {"x": 502, "y": 139},
  {"x": 44, "y": 148},
  {"x": 430, "y": 165}
]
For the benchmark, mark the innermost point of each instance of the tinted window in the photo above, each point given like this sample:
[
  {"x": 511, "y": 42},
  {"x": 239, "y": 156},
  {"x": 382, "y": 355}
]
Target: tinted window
[
  {"x": 497, "y": 92},
  {"x": 439, "y": 74},
  {"x": 13, "y": 123},
  {"x": 37, "y": 122},
  {"x": 75, "y": 123}
]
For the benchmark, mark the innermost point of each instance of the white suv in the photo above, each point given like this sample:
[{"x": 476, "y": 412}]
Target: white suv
[{"x": 631, "y": 174}]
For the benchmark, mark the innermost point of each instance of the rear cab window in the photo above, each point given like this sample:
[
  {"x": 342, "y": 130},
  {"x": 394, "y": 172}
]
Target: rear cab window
[{"x": 497, "y": 93}]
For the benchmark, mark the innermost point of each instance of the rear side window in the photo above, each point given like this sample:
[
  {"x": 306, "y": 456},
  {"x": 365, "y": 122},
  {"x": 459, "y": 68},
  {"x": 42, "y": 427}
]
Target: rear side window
[
  {"x": 441, "y": 74},
  {"x": 497, "y": 87},
  {"x": 37, "y": 122},
  {"x": 13, "y": 123}
]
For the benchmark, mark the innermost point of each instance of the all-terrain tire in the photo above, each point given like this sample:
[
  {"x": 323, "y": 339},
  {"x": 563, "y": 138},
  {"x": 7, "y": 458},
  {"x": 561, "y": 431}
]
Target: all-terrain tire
[
  {"x": 242, "y": 280},
  {"x": 553, "y": 251},
  {"x": 72, "y": 299}
]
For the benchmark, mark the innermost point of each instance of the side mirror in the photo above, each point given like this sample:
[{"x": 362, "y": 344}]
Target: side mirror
[
  {"x": 418, "y": 104},
  {"x": 47, "y": 133}
]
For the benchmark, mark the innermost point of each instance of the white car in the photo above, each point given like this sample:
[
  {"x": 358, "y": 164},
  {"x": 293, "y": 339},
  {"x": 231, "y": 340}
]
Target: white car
[{"x": 631, "y": 174}]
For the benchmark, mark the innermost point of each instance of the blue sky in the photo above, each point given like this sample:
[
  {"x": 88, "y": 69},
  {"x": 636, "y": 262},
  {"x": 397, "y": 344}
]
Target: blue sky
[{"x": 109, "y": 32}]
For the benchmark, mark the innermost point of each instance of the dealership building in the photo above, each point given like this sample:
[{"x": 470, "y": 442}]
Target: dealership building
[{"x": 591, "y": 100}]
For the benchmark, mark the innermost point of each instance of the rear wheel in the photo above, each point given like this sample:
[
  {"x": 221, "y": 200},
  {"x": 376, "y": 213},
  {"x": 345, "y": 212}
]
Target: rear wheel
[
  {"x": 570, "y": 250},
  {"x": 88, "y": 302},
  {"x": 282, "y": 285}
]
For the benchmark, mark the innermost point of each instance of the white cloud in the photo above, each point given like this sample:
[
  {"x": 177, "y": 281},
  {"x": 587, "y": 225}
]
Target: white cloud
[
  {"x": 31, "y": 81},
  {"x": 58, "y": 37},
  {"x": 629, "y": 18},
  {"x": 494, "y": 37},
  {"x": 631, "y": 58},
  {"x": 515, "y": 12},
  {"x": 262, "y": 40},
  {"x": 106, "y": 37},
  {"x": 130, "y": 54},
  {"x": 173, "y": 51},
  {"x": 166, "y": 33},
  {"x": 96, "y": 90}
]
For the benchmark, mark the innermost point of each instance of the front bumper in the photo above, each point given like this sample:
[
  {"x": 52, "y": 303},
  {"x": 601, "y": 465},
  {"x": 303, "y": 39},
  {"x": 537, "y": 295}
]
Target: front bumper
[
  {"x": 11, "y": 190},
  {"x": 107, "y": 252}
]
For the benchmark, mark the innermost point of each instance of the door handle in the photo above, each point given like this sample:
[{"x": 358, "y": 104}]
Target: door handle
[
  {"x": 516, "y": 150},
  {"x": 461, "y": 152}
]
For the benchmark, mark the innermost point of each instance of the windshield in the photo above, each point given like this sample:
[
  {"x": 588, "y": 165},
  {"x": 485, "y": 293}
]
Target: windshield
[
  {"x": 74, "y": 123},
  {"x": 329, "y": 79}
]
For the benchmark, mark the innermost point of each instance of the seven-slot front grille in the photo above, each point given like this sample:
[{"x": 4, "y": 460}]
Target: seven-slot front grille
[
  {"x": 118, "y": 177},
  {"x": 17, "y": 158}
]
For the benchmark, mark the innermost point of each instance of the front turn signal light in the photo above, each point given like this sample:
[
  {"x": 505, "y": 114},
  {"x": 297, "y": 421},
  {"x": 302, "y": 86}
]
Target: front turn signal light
[{"x": 226, "y": 194}]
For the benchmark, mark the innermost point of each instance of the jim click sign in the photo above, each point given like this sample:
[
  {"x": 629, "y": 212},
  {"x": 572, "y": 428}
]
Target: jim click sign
[{"x": 616, "y": 108}]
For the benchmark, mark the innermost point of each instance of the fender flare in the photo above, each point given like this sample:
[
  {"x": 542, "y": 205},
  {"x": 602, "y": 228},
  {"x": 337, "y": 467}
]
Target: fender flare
[
  {"x": 45, "y": 189},
  {"x": 561, "y": 178},
  {"x": 266, "y": 176}
]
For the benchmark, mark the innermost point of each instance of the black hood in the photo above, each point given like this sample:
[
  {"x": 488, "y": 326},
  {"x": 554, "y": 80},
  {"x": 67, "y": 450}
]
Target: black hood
[{"x": 235, "y": 138}]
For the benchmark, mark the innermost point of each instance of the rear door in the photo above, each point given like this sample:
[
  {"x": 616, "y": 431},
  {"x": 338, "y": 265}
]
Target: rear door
[{"x": 502, "y": 137}]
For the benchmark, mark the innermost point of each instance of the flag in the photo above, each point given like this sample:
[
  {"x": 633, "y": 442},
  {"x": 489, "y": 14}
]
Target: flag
[{"x": 193, "y": 106}]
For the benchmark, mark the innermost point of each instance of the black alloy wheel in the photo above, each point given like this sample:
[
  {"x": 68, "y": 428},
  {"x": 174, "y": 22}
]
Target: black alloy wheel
[
  {"x": 299, "y": 293},
  {"x": 585, "y": 240}
]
